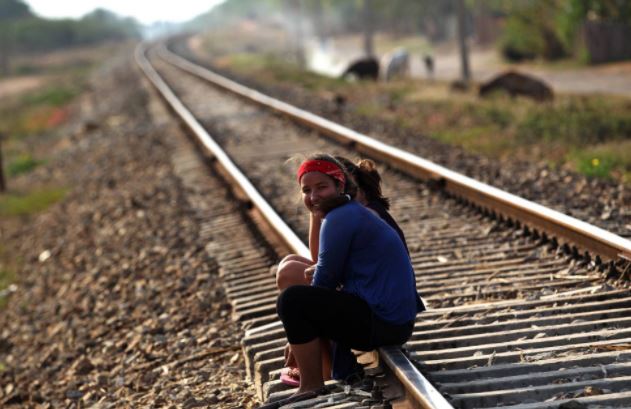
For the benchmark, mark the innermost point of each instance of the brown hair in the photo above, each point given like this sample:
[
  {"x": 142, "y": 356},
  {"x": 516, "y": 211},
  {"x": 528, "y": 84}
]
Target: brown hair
[{"x": 368, "y": 179}]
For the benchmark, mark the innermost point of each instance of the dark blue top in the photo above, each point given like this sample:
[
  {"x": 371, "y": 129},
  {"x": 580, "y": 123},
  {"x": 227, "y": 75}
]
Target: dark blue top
[
  {"x": 383, "y": 213},
  {"x": 362, "y": 253}
]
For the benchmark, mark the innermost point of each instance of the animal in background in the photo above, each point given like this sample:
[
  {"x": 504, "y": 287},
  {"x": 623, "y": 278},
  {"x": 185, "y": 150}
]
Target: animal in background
[
  {"x": 364, "y": 68},
  {"x": 395, "y": 64},
  {"x": 429, "y": 66},
  {"x": 515, "y": 83}
]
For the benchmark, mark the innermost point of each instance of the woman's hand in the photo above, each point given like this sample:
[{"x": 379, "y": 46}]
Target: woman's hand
[
  {"x": 309, "y": 271},
  {"x": 316, "y": 212}
]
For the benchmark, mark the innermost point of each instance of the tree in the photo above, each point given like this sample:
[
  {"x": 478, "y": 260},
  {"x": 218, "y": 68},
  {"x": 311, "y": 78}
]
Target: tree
[
  {"x": 369, "y": 28},
  {"x": 462, "y": 41},
  {"x": 10, "y": 10},
  {"x": 13, "y": 9}
]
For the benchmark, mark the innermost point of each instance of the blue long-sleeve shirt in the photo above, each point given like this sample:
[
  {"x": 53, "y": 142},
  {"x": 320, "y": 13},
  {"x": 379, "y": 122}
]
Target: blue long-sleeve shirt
[{"x": 362, "y": 253}]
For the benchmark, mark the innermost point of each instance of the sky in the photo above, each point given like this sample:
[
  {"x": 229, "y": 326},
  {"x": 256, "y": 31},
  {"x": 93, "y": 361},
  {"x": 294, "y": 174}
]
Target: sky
[{"x": 144, "y": 11}]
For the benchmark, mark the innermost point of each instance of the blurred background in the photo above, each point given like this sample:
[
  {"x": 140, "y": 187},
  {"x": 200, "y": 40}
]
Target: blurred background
[{"x": 534, "y": 80}]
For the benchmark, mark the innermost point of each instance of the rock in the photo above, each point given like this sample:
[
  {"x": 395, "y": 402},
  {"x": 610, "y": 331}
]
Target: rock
[
  {"x": 573, "y": 404},
  {"x": 74, "y": 394},
  {"x": 83, "y": 366}
]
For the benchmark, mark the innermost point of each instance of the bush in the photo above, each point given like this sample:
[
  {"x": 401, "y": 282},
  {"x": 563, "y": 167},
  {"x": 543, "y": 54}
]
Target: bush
[
  {"x": 22, "y": 164},
  {"x": 29, "y": 203},
  {"x": 54, "y": 96},
  {"x": 520, "y": 41},
  {"x": 532, "y": 31},
  {"x": 579, "y": 122}
]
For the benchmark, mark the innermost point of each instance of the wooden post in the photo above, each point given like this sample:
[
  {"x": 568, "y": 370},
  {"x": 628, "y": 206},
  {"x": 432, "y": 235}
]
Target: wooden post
[
  {"x": 3, "y": 185},
  {"x": 462, "y": 40},
  {"x": 369, "y": 29}
]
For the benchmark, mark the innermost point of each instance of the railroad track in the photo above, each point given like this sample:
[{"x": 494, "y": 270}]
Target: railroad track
[{"x": 521, "y": 314}]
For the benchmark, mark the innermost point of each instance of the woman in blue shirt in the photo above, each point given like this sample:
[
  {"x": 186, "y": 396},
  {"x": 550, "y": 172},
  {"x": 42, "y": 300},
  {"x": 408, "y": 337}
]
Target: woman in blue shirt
[
  {"x": 338, "y": 362},
  {"x": 363, "y": 293}
]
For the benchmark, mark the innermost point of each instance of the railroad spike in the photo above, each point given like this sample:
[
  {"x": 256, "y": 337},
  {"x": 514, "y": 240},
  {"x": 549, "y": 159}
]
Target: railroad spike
[
  {"x": 612, "y": 270},
  {"x": 535, "y": 234}
]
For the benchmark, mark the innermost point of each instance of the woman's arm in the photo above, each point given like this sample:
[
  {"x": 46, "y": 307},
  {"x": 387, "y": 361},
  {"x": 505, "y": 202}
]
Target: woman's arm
[{"x": 315, "y": 222}]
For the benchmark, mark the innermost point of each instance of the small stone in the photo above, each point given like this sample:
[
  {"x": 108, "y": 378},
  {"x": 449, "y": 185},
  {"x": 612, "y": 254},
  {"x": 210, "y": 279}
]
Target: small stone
[
  {"x": 83, "y": 366},
  {"x": 74, "y": 394},
  {"x": 43, "y": 256},
  {"x": 212, "y": 399}
]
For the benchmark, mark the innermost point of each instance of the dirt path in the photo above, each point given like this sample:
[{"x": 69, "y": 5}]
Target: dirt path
[
  {"x": 17, "y": 85},
  {"x": 613, "y": 78}
]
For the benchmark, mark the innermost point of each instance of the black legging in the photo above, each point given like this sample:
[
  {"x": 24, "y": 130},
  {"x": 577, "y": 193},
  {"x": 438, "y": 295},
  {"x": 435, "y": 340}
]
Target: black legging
[{"x": 312, "y": 312}]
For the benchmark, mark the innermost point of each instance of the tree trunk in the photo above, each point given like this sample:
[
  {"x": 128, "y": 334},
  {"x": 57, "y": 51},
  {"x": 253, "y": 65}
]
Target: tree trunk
[
  {"x": 294, "y": 15},
  {"x": 462, "y": 40},
  {"x": 318, "y": 20},
  {"x": 4, "y": 52},
  {"x": 369, "y": 46},
  {"x": 3, "y": 184}
]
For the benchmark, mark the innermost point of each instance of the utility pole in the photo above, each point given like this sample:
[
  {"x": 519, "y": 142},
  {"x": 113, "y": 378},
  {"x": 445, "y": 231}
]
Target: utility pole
[
  {"x": 369, "y": 13},
  {"x": 300, "y": 41},
  {"x": 5, "y": 48},
  {"x": 462, "y": 40},
  {"x": 294, "y": 15},
  {"x": 318, "y": 20},
  {"x": 3, "y": 184}
]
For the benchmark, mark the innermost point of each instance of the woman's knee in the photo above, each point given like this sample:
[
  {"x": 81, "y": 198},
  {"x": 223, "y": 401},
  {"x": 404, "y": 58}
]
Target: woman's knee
[
  {"x": 291, "y": 257},
  {"x": 291, "y": 273}
]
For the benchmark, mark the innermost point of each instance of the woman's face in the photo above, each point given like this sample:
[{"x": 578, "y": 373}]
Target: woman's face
[{"x": 316, "y": 187}]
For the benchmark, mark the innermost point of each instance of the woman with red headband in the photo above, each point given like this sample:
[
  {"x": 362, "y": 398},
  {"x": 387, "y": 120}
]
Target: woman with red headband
[
  {"x": 292, "y": 268},
  {"x": 363, "y": 294}
]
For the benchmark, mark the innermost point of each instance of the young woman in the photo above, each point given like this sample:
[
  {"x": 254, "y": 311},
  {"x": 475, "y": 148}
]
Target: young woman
[
  {"x": 363, "y": 293},
  {"x": 296, "y": 270}
]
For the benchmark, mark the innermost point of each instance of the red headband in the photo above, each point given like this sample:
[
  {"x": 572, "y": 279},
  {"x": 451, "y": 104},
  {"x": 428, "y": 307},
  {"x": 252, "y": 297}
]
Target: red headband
[{"x": 322, "y": 166}]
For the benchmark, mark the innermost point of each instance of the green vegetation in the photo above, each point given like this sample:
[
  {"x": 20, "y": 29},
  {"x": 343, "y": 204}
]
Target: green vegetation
[
  {"x": 605, "y": 160},
  {"x": 56, "y": 95},
  {"x": 24, "y": 204},
  {"x": 38, "y": 111},
  {"x": 578, "y": 121},
  {"x": 550, "y": 29},
  {"x": 24, "y": 163},
  {"x": 21, "y": 32}
]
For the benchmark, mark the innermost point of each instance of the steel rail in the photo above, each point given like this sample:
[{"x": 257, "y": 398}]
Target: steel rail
[
  {"x": 284, "y": 232},
  {"x": 566, "y": 229},
  {"x": 421, "y": 391}
]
